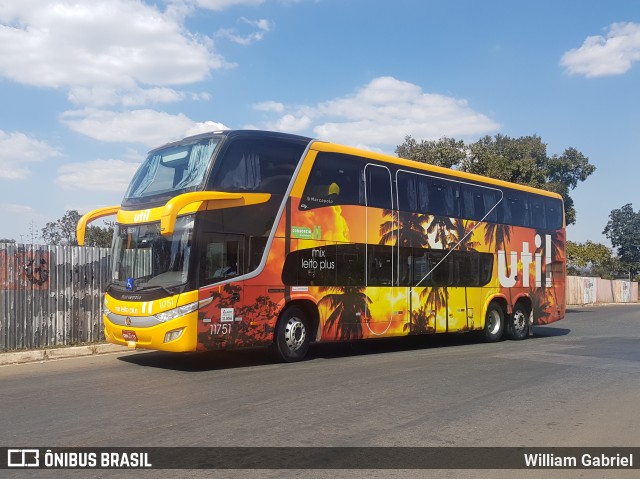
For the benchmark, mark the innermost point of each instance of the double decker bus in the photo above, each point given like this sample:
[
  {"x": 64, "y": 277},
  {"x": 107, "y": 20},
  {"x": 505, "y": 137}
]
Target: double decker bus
[{"x": 248, "y": 238}]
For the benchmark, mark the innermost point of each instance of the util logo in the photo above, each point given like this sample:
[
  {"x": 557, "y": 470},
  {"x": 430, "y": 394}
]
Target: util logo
[
  {"x": 508, "y": 278},
  {"x": 142, "y": 216}
]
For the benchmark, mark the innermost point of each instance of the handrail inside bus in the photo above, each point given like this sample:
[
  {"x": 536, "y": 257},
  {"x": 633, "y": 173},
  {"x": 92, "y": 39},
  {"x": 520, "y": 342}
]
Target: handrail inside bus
[
  {"x": 174, "y": 205},
  {"x": 81, "y": 228}
]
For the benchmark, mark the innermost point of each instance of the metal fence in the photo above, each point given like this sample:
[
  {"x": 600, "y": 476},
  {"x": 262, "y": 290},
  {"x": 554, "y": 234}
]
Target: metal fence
[
  {"x": 589, "y": 290},
  {"x": 51, "y": 295}
]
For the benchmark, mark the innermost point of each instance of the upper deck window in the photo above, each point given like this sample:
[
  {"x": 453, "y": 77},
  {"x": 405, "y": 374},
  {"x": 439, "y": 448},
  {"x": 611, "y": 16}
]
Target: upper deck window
[
  {"x": 173, "y": 169},
  {"x": 256, "y": 164}
]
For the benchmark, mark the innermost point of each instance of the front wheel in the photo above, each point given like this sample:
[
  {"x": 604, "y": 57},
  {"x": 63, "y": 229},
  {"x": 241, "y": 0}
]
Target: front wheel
[
  {"x": 518, "y": 327},
  {"x": 494, "y": 323},
  {"x": 292, "y": 336}
]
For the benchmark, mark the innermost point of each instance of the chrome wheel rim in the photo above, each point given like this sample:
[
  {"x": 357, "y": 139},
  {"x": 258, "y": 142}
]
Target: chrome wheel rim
[
  {"x": 493, "y": 322},
  {"x": 519, "y": 321},
  {"x": 294, "y": 334}
]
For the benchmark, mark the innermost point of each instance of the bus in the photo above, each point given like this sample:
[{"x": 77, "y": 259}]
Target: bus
[{"x": 237, "y": 239}]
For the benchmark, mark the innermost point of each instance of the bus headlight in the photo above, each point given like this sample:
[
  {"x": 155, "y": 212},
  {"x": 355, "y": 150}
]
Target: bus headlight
[{"x": 176, "y": 312}]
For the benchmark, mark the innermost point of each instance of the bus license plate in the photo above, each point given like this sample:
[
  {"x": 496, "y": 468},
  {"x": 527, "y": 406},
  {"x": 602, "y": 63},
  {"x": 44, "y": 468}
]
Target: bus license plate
[{"x": 129, "y": 335}]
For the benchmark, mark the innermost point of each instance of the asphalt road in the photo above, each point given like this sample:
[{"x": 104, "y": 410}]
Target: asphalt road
[{"x": 575, "y": 383}]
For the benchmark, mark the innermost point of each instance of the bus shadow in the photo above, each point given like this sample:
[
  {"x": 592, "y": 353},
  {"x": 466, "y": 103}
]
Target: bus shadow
[{"x": 256, "y": 357}]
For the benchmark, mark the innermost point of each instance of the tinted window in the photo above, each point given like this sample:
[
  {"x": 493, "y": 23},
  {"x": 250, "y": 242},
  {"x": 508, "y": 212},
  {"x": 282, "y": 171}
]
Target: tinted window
[
  {"x": 350, "y": 264},
  {"x": 380, "y": 261},
  {"x": 515, "y": 209},
  {"x": 407, "y": 191},
  {"x": 256, "y": 165},
  {"x": 477, "y": 201},
  {"x": 538, "y": 215},
  {"x": 344, "y": 265},
  {"x": 554, "y": 213},
  {"x": 334, "y": 180},
  {"x": 378, "y": 191},
  {"x": 311, "y": 267}
]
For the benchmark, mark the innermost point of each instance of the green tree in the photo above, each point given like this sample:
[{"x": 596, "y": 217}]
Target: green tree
[
  {"x": 63, "y": 232},
  {"x": 623, "y": 230},
  {"x": 7, "y": 240},
  {"x": 593, "y": 259},
  {"x": 521, "y": 160},
  {"x": 445, "y": 152}
]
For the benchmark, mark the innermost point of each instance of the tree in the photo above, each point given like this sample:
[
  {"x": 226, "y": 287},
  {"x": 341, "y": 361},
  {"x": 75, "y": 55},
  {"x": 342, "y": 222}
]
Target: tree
[
  {"x": 7, "y": 240},
  {"x": 593, "y": 259},
  {"x": 623, "y": 230},
  {"x": 521, "y": 160},
  {"x": 445, "y": 152},
  {"x": 63, "y": 231}
]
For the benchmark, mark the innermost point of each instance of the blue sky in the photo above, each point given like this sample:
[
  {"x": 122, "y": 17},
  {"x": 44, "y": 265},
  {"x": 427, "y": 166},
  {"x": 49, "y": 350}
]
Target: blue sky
[{"x": 87, "y": 87}]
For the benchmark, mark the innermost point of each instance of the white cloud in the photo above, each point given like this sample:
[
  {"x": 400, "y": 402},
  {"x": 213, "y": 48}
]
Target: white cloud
[
  {"x": 382, "y": 113},
  {"x": 218, "y": 5},
  {"x": 149, "y": 127},
  {"x": 111, "y": 176},
  {"x": 15, "y": 209},
  {"x": 274, "y": 106},
  {"x": 263, "y": 26},
  {"x": 101, "y": 48},
  {"x": 604, "y": 56},
  {"x": 18, "y": 150}
]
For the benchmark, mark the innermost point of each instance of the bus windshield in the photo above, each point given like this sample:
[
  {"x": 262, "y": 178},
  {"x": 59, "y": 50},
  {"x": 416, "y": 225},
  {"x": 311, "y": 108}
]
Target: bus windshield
[
  {"x": 143, "y": 258},
  {"x": 173, "y": 169}
]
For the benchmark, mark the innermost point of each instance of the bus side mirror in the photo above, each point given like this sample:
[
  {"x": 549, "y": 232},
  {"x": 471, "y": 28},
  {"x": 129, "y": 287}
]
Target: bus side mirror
[
  {"x": 93, "y": 215},
  {"x": 215, "y": 200}
]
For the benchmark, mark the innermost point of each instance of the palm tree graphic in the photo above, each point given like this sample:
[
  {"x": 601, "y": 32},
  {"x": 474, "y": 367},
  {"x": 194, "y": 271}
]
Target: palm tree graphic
[{"x": 349, "y": 306}]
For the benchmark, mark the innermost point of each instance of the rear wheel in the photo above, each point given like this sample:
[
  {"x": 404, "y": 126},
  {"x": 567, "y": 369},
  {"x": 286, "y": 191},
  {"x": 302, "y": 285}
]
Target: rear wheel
[
  {"x": 518, "y": 327},
  {"x": 292, "y": 336},
  {"x": 494, "y": 323}
]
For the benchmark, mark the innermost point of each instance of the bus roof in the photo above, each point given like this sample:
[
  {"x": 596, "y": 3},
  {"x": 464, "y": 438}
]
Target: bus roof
[{"x": 236, "y": 134}]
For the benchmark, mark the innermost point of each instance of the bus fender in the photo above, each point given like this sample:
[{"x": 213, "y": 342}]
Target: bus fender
[
  {"x": 308, "y": 303},
  {"x": 501, "y": 299}
]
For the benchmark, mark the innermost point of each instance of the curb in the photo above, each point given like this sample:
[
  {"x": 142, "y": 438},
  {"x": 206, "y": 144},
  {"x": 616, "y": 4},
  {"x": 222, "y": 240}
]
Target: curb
[{"x": 41, "y": 355}]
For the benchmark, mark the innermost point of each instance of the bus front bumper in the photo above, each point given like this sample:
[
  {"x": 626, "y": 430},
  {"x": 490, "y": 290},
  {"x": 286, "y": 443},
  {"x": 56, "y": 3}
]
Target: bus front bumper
[{"x": 177, "y": 335}]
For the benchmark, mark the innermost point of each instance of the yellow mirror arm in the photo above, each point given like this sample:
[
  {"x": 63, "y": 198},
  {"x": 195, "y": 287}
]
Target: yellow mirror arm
[
  {"x": 91, "y": 216},
  {"x": 175, "y": 205}
]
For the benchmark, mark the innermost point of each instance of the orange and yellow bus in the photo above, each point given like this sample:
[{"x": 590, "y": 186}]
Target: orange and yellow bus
[{"x": 248, "y": 238}]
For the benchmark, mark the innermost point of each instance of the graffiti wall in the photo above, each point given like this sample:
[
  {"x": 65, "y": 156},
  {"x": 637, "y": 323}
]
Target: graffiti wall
[
  {"x": 51, "y": 295},
  {"x": 588, "y": 290}
]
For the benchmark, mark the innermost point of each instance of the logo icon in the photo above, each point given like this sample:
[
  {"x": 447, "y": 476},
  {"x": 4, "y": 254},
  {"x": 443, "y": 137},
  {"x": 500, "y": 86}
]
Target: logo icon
[
  {"x": 23, "y": 457},
  {"x": 129, "y": 284}
]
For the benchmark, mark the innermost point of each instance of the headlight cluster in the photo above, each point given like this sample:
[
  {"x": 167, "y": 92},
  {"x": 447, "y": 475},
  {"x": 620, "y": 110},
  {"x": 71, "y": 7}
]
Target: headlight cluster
[{"x": 176, "y": 312}]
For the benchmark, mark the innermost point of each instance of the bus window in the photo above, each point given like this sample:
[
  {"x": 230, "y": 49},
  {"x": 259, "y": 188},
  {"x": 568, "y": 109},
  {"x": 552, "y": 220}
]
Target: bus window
[
  {"x": 477, "y": 202},
  {"x": 554, "y": 213},
  {"x": 350, "y": 264},
  {"x": 407, "y": 191},
  {"x": 257, "y": 165},
  {"x": 379, "y": 267},
  {"x": 222, "y": 257},
  {"x": 311, "y": 267},
  {"x": 438, "y": 196},
  {"x": 538, "y": 217},
  {"x": 378, "y": 192},
  {"x": 334, "y": 180}
]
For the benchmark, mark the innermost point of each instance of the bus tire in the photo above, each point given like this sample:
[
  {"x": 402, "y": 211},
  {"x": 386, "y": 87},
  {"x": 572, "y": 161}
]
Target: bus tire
[
  {"x": 494, "y": 323},
  {"x": 518, "y": 327},
  {"x": 292, "y": 335}
]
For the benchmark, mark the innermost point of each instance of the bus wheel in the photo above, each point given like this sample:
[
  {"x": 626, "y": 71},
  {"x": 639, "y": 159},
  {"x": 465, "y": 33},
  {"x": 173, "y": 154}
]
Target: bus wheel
[
  {"x": 494, "y": 323},
  {"x": 518, "y": 327},
  {"x": 292, "y": 336}
]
